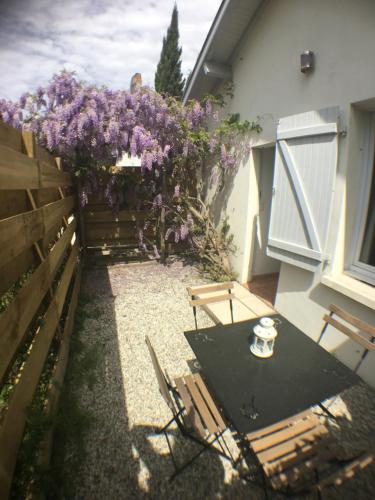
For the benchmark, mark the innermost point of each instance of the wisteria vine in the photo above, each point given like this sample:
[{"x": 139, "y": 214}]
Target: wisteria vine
[{"x": 90, "y": 127}]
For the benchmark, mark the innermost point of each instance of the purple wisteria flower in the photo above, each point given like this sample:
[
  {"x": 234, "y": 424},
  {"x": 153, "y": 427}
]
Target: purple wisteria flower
[
  {"x": 156, "y": 253},
  {"x": 184, "y": 231},
  {"x": 168, "y": 232},
  {"x": 158, "y": 201},
  {"x": 88, "y": 126},
  {"x": 176, "y": 193}
]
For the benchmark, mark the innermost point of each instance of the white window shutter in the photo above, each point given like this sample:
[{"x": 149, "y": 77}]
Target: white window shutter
[{"x": 304, "y": 178}]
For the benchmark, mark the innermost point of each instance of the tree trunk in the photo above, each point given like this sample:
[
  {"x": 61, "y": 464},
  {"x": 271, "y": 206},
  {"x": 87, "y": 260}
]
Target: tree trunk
[{"x": 162, "y": 216}]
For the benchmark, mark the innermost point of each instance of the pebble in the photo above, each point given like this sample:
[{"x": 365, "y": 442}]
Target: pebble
[{"x": 125, "y": 458}]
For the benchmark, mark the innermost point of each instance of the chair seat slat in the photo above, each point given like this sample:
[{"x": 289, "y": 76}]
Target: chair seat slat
[
  {"x": 210, "y": 300},
  {"x": 300, "y": 462},
  {"x": 192, "y": 414},
  {"x": 300, "y": 442},
  {"x": 338, "y": 477},
  {"x": 279, "y": 425},
  {"x": 210, "y": 402},
  {"x": 297, "y": 476},
  {"x": 200, "y": 405},
  {"x": 310, "y": 456},
  {"x": 285, "y": 434}
]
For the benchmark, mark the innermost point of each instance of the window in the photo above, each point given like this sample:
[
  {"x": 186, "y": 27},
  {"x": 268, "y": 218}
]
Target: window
[
  {"x": 363, "y": 256},
  {"x": 367, "y": 254}
]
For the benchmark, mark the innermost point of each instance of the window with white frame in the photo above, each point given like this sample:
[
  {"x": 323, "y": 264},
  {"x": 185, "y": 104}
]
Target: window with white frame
[{"x": 363, "y": 250}]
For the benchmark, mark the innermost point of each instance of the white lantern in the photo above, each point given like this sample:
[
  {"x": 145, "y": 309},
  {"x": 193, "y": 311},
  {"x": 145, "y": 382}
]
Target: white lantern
[{"x": 264, "y": 338}]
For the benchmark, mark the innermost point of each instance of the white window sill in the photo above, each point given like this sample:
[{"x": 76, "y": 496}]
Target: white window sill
[{"x": 355, "y": 289}]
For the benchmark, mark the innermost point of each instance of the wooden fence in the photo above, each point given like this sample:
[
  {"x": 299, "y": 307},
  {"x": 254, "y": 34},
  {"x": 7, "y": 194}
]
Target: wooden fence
[
  {"x": 40, "y": 275},
  {"x": 103, "y": 228}
]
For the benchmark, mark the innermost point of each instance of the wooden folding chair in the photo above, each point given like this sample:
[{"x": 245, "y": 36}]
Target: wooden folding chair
[
  {"x": 194, "y": 412},
  {"x": 362, "y": 339},
  {"x": 298, "y": 455},
  {"x": 365, "y": 338},
  {"x": 196, "y": 292}
]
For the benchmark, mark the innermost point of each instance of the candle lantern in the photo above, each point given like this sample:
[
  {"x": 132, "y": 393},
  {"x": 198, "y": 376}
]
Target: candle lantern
[{"x": 264, "y": 338}]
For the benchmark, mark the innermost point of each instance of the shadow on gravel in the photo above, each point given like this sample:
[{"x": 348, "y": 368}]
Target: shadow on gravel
[{"x": 123, "y": 459}]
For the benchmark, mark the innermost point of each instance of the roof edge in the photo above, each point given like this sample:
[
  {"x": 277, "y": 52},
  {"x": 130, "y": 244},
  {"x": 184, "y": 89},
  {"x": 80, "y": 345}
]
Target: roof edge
[{"x": 206, "y": 45}]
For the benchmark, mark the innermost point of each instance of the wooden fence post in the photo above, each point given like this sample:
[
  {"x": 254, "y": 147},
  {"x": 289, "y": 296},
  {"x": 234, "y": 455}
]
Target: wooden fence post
[{"x": 81, "y": 221}]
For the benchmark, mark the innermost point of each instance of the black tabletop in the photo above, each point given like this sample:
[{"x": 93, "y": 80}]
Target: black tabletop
[{"x": 254, "y": 392}]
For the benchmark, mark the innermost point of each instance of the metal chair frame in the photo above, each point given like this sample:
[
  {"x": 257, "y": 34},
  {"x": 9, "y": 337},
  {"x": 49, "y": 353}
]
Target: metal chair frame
[{"x": 175, "y": 403}]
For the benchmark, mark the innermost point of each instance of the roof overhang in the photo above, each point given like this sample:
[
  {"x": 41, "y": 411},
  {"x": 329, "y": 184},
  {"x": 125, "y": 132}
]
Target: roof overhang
[{"x": 214, "y": 61}]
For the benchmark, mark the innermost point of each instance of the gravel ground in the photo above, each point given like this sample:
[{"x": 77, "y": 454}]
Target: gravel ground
[{"x": 125, "y": 458}]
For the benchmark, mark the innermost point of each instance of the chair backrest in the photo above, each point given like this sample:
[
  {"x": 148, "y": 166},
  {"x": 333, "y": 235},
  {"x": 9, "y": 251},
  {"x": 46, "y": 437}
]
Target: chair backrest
[
  {"x": 365, "y": 337},
  {"x": 196, "y": 293},
  {"x": 163, "y": 387}
]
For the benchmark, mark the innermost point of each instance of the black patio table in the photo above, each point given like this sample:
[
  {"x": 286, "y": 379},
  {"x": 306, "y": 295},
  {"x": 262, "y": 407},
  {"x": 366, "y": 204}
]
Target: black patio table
[{"x": 254, "y": 393}]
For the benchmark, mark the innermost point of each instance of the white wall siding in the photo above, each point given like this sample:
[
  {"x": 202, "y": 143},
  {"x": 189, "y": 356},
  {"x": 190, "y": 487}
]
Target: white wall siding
[{"x": 268, "y": 83}]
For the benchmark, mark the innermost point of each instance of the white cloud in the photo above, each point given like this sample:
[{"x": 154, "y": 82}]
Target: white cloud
[{"x": 105, "y": 42}]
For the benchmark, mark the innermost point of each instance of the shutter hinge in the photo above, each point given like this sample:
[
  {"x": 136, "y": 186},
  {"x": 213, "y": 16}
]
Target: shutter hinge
[
  {"x": 273, "y": 191},
  {"x": 327, "y": 260},
  {"x": 342, "y": 133}
]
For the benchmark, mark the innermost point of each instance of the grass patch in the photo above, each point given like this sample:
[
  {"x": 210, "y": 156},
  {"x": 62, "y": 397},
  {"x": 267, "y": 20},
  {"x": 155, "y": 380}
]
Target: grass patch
[{"x": 71, "y": 422}]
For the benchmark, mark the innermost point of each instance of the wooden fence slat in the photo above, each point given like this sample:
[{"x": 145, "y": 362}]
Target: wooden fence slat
[
  {"x": 106, "y": 242},
  {"x": 113, "y": 231},
  {"x": 46, "y": 196},
  {"x": 19, "y": 232},
  {"x": 107, "y": 216},
  {"x": 12, "y": 202},
  {"x": 51, "y": 177},
  {"x": 57, "y": 378},
  {"x": 11, "y": 272},
  {"x": 10, "y": 137},
  {"x": 43, "y": 155},
  {"x": 27, "y": 168},
  {"x": 17, "y": 171},
  {"x": 14, "y": 421},
  {"x": 16, "y": 318},
  {"x": 57, "y": 210}
]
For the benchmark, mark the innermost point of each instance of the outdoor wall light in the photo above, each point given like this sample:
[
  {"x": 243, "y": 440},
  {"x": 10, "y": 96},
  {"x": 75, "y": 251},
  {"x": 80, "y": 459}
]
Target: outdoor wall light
[
  {"x": 264, "y": 338},
  {"x": 307, "y": 61}
]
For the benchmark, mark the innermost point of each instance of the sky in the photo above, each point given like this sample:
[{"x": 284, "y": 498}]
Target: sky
[{"x": 103, "y": 41}]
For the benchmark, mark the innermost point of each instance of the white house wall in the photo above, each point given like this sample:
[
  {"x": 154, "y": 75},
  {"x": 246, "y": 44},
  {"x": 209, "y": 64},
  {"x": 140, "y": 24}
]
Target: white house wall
[{"x": 268, "y": 83}]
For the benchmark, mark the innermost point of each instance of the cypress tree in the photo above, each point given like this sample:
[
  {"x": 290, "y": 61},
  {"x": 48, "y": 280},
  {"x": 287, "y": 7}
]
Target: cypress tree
[{"x": 168, "y": 76}]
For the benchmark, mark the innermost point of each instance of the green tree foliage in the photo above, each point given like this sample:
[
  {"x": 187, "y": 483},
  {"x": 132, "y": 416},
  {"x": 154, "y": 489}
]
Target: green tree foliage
[{"x": 168, "y": 76}]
